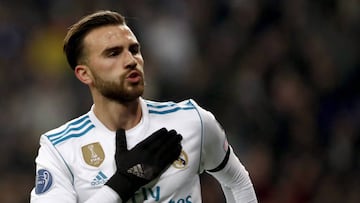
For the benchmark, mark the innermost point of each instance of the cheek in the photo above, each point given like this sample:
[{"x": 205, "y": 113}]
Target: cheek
[
  {"x": 110, "y": 70},
  {"x": 140, "y": 61}
]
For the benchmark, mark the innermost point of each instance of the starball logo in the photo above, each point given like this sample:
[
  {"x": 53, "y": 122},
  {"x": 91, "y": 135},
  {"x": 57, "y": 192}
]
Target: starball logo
[{"x": 43, "y": 181}]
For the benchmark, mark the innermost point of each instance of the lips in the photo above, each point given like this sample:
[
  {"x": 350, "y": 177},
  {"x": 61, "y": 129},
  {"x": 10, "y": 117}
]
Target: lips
[{"x": 134, "y": 76}]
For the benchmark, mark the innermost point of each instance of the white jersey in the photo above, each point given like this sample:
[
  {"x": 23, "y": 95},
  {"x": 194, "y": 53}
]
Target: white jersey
[{"x": 76, "y": 159}]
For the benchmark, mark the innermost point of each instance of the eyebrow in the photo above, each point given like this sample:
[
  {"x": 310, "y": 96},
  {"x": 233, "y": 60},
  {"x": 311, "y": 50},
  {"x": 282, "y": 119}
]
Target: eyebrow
[
  {"x": 111, "y": 49},
  {"x": 118, "y": 48}
]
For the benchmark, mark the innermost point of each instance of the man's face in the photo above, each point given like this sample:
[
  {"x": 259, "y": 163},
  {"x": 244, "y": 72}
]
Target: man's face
[{"x": 113, "y": 56}]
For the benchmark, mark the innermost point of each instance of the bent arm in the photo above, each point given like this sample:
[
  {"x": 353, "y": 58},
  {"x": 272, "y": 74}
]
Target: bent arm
[
  {"x": 219, "y": 160},
  {"x": 235, "y": 181}
]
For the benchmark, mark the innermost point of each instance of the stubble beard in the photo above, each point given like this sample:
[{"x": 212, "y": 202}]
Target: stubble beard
[{"x": 120, "y": 91}]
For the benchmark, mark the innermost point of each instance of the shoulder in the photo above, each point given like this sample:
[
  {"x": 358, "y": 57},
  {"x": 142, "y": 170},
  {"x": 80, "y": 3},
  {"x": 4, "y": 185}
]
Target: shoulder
[
  {"x": 187, "y": 109},
  {"x": 76, "y": 127},
  {"x": 165, "y": 107}
]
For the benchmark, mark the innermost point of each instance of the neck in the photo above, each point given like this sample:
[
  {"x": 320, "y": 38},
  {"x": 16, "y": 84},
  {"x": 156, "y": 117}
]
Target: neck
[{"x": 115, "y": 115}]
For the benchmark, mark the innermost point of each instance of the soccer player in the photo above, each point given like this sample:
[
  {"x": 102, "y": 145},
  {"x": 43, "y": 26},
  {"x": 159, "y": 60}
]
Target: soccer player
[{"x": 127, "y": 148}]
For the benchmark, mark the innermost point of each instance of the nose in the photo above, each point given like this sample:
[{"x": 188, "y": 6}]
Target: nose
[{"x": 130, "y": 61}]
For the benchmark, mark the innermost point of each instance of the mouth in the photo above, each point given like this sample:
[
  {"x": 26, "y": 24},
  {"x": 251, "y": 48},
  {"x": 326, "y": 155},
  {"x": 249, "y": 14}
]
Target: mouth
[{"x": 134, "y": 76}]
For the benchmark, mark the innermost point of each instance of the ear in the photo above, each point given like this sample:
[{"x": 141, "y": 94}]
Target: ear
[{"x": 83, "y": 73}]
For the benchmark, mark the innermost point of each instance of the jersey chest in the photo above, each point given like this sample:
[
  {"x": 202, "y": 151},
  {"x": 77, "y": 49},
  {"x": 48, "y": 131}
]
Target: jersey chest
[{"x": 92, "y": 164}]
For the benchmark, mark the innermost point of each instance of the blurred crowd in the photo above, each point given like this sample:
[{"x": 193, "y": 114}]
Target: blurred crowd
[{"x": 281, "y": 76}]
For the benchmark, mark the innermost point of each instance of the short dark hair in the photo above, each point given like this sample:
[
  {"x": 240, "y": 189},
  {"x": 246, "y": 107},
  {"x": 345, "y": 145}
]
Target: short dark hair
[{"x": 73, "y": 42}]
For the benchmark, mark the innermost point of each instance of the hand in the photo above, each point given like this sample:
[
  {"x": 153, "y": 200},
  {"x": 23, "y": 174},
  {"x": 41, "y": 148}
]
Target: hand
[{"x": 143, "y": 163}]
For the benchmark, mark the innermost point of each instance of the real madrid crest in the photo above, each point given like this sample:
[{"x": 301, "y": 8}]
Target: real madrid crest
[
  {"x": 182, "y": 162},
  {"x": 93, "y": 154}
]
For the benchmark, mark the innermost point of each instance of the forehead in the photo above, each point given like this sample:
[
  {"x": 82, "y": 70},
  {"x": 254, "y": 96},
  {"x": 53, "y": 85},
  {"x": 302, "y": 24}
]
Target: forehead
[{"x": 109, "y": 35}]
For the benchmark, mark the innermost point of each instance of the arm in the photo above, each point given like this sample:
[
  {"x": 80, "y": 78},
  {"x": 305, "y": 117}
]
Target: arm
[
  {"x": 53, "y": 178},
  {"x": 54, "y": 181},
  {"x": 220, "y": 161},
  {"x": 235, "y": 181}
]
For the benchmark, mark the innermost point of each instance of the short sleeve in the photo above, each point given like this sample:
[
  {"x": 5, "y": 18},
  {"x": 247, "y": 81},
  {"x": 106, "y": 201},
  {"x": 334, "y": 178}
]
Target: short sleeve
[
  {"x": 214, "y": 142},
  {"x": 54, "y": 181}
]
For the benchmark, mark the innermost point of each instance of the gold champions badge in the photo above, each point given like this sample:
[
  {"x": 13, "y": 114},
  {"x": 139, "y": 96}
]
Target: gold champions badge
[{"x": 93, "y": 154}]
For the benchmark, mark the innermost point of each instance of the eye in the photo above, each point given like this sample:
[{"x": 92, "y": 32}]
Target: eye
[
  {"x": 113, "y": 53},
  {"x": 134, "y": 49}
]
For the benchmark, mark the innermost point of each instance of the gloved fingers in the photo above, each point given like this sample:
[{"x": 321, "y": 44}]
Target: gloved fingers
[
  {"x": 170, "y": 156},
  {"x": 153, "y": 139},
  {"x": 121, "y": 145},
  {"x": 170, "y": 150},
  {"x": 166, "y": 141},
  {"x": 172, "y": 132}
]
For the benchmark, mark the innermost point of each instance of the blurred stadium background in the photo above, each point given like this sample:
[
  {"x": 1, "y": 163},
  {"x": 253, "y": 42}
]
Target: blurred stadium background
[{"x": 281, "y": 76}]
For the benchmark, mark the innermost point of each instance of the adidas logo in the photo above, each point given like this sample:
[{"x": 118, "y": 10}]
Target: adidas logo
[
  {"x": 100, "y": 179},
  {"x": 137, "y": 170}
]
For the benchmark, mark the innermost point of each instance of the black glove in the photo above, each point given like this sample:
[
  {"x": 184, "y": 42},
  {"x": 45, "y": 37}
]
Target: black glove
[{"x": 143, "y": 163}]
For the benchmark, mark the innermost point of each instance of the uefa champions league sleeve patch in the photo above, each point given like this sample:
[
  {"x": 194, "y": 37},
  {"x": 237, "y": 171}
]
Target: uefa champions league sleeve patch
[{"x": 43, "y": 181}]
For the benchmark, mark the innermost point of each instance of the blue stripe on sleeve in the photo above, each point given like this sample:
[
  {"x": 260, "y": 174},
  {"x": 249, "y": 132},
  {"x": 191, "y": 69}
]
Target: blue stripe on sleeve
[
  {"x": 169, "y": 107},
  {"x": 76, "y": 128},
  {"x": 68, "y": 128},
  {"x": 72, "y": 135},
  {"x": 170, "y": 110},
  {"x": 52, "y": 138}
]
